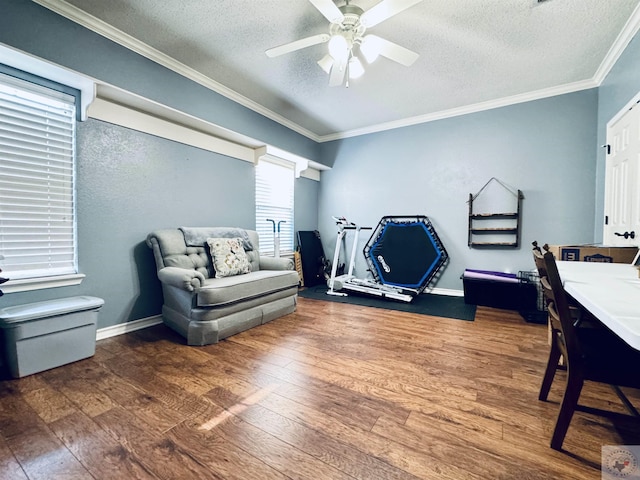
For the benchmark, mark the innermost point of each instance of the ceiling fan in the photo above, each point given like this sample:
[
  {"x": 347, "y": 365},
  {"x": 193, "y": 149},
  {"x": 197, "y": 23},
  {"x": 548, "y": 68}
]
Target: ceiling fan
[{"x": 347, "y": 41}]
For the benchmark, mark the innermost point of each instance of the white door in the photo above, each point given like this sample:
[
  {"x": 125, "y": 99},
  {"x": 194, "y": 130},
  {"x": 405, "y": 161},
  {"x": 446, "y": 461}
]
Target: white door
[{"x": 622, "y": 180}]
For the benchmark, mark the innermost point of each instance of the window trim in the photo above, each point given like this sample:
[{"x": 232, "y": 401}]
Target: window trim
[
  {"x": 298, "y": 164},
  {"x": 276, "y": 155},
  {"x": 290, "y": 167},
  {"x": 35, "y": 67},
  {"x": 48, "y": 71},
  {"x": 41, "y": 283}
]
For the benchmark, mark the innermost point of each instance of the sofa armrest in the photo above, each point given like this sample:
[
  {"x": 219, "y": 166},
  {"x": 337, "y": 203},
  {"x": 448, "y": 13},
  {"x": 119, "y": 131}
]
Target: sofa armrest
[
  {"x": 272, "y": 263},
  {"x": 182, "y": 278}
]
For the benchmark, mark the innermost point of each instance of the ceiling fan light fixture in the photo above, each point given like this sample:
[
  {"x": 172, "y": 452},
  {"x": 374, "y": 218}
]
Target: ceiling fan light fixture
[
  {"x": 339, "y": 48},
  {"x": 326, "y": 63},
  {"x": 370, "y": 48},
  {"x": 356, "y": 70}
]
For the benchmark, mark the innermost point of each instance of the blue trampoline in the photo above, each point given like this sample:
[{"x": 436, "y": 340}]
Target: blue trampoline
[{"x": 405, "y": 252}]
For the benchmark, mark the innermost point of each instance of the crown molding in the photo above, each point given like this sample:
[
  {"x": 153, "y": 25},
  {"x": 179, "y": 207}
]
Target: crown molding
[
  {"x": 622, "y": 41},
  {"x": 465, "y": 110},
  {"x": 100, "y": 27},
  {"x": 119, "y": 107}
]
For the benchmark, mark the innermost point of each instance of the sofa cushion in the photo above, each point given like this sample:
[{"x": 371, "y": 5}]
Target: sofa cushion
[
  {"x": 225, "y": 290},
  {"x": 170, "y": 248},
  {"x": 229, "y": 258},
  {"x": 198, "y": 236},
  {"x": 254, "y": 255}
]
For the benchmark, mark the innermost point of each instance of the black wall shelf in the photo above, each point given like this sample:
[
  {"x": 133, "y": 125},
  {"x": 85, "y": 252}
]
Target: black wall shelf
[{"x": 503, "y": 228}]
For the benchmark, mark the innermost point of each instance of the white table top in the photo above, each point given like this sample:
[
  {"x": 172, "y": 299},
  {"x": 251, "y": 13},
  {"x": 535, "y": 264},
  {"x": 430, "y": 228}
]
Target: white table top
[{"x": 610, "y": 291}]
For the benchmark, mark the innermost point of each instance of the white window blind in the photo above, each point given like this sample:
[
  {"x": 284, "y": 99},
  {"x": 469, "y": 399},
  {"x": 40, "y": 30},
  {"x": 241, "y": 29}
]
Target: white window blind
[
  {"x": 274, "y": 200},
  {"x": 37, "y": 152}
]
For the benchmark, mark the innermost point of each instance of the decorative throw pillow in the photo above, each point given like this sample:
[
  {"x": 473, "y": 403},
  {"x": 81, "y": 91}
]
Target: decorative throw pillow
[{"x": 229, "y": 257}]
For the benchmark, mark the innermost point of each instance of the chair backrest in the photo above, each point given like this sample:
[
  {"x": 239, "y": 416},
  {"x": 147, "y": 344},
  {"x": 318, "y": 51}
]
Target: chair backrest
[
  {"x": 538, "y": 259},
  {"x": 170, "y": 249},
  {"x": 559, "y": 314}
]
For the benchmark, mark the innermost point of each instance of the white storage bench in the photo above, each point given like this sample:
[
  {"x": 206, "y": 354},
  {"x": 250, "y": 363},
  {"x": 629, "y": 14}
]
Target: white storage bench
[{"x": 43, "y": 335}]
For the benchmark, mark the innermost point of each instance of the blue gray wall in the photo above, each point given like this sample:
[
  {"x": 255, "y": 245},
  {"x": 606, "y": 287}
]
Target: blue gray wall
[
  {"x": 306, "y": 204},
  {"x": 130, "y": 183},
  {"x": 546, "y": 148},
  {"x": 550, "y": 149},
  {"x": 621, "y": 85},
  {"x": 34, "y": 29}
]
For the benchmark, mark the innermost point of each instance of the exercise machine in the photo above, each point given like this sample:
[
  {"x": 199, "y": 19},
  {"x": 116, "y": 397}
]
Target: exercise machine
[
  {"x": 404, "y": 254},
  {"x": 276, "y": 236},
  {"x": 315, "y": 266},
  {"x": 338, "y": 282}
]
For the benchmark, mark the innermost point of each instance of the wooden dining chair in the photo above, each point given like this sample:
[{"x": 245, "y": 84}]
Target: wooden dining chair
[
  {"x": 590, "y": 354},
  {"x": 577, "y": 312},
  {"x": 581, "y": 317},
  {"x": 538, "y": 260}
]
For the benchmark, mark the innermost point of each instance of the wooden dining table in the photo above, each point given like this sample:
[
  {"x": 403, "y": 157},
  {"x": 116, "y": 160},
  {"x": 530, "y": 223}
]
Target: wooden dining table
[{"x": 609, "y": 291}]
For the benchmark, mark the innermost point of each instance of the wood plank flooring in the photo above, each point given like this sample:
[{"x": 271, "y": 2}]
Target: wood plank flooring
[{"x": 333, "y": 391}]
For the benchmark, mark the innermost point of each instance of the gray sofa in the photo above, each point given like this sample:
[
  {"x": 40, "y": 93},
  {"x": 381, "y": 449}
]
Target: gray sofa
[{"x": 205, "y": 309}]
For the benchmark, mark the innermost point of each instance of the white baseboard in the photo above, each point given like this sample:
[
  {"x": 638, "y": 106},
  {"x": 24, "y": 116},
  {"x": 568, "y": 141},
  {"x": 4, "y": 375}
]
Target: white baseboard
[{"x": 128, "y": 327}]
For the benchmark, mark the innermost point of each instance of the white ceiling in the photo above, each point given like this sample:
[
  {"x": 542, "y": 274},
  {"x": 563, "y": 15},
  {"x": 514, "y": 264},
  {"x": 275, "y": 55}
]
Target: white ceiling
[{"x": 473, "y": 54}]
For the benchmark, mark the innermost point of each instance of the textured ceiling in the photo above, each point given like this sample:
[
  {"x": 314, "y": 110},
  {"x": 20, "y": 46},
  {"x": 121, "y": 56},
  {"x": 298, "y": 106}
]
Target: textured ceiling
[{"x": 471, "y": 51}]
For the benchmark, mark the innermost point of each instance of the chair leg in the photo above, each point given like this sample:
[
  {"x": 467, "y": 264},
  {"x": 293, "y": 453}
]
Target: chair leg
[
  {"x": 625, "y": 401},
  {"x": 567, "y": 407},
  {"x": 550, "y": 372}
]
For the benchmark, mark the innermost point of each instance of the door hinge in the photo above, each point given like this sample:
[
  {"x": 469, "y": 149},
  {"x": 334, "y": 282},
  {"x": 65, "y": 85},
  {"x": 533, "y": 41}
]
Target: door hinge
[
  {"x": 608, "y": 147},
  {"x": 606, "y": 219}
]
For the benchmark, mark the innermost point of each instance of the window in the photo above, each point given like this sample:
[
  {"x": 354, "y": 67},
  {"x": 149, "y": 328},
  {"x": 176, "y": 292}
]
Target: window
[
  {"x": 274, "y": 201},
  {"x": 37, "y": 172}
]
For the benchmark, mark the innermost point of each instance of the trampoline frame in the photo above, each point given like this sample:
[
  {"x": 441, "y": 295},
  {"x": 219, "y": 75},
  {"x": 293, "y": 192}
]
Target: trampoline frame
[{"x": 375, "y": 266}]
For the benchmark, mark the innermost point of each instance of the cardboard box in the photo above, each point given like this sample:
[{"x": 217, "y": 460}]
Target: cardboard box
[{"x": 593, "y": 253}]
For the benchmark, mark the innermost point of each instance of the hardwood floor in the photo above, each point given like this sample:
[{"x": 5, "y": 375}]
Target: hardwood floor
[{"x": 332, "y": 391}]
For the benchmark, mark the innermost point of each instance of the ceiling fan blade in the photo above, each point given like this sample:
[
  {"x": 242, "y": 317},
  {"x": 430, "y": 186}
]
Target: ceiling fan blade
[
  {"x": 393, "y": 51},
  {"x": 329, "y": 10},
  {"x": 385, "y": 9},
  {"x": 298, "y": 44},
  {"x": 338, "y": 71}
]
